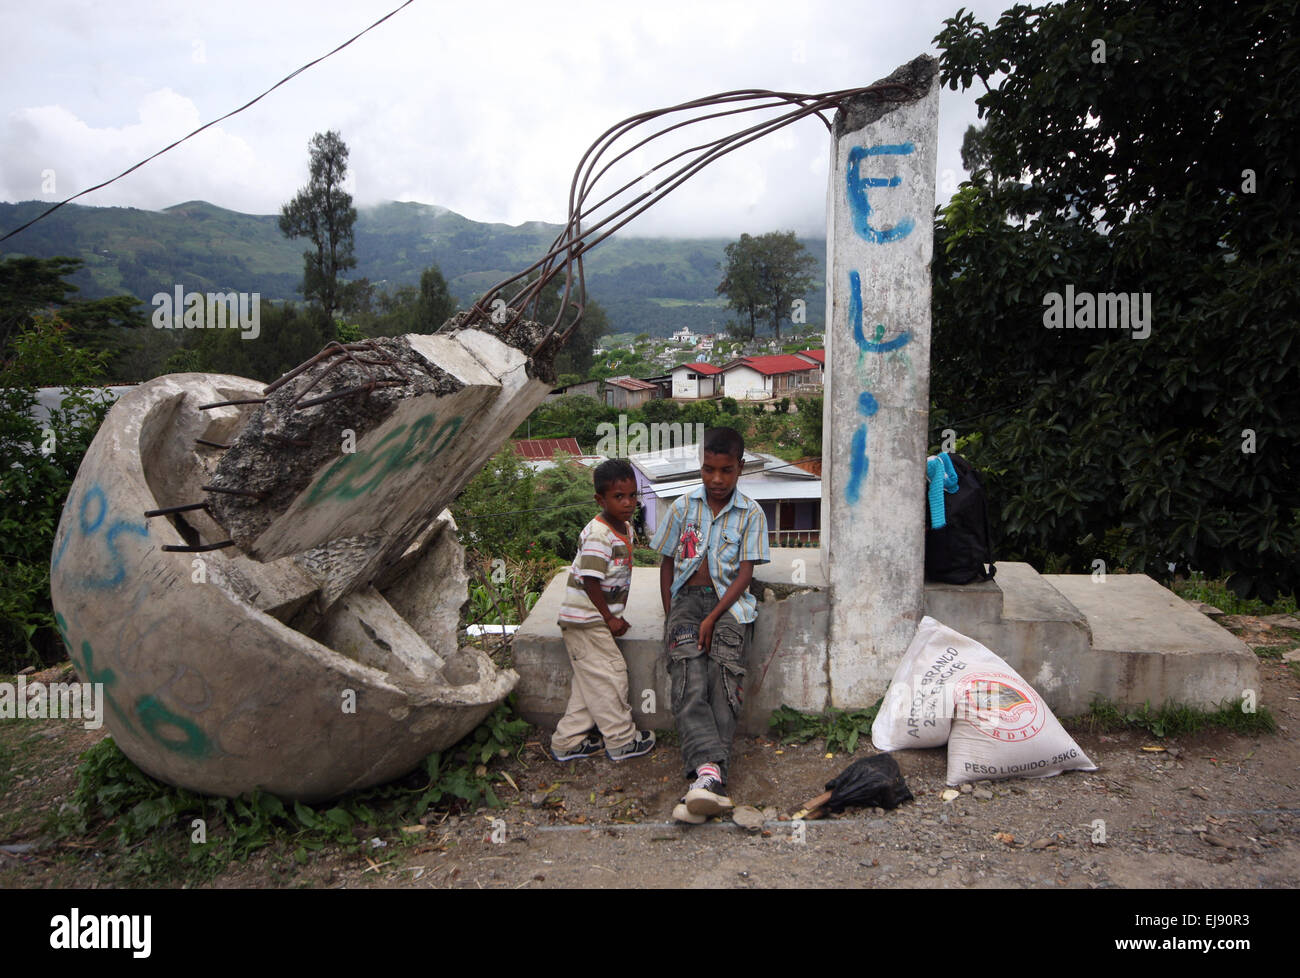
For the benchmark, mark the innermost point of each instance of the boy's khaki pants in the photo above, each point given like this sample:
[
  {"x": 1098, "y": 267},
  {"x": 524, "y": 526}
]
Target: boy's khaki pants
[{"x": 598, "y": 695}]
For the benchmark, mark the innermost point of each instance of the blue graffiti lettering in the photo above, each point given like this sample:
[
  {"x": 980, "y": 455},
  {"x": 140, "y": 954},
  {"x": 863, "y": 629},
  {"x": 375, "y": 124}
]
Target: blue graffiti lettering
[
  {"x": 858, "y": 203},
  {"x": 89, "y": 526},
  {"x": 859, "y": 465},
  {"x": 879, "y": 344}
]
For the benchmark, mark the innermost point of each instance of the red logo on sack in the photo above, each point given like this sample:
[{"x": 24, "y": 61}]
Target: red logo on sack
[{"x": 1000, "y": 706}]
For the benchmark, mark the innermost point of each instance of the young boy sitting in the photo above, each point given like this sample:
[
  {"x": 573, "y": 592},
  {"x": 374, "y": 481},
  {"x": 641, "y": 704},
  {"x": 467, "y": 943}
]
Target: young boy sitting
[
  {"x": 598, "y": 715},
  {"x": 711, "y": 539}
]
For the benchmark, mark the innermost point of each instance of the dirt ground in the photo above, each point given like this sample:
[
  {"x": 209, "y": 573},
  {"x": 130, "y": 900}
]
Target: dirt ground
[{"x": 1216, "y": 810}]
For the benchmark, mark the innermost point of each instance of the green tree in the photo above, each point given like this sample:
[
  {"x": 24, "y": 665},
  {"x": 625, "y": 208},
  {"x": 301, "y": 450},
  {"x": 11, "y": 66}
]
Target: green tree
[
  {"x": 289, "y": 335},
  {"x": 112, "y": 324},
  {"x": 411, "y": 309},
  {"x": 322, "y": 212},
  {"x": 436, "y": 304},
  {"x": 575, "y": 356},
  {"x": 763, "y": 276},
  {"x": 1143, "y": 148},
  {"x": 40, "y": 460}
]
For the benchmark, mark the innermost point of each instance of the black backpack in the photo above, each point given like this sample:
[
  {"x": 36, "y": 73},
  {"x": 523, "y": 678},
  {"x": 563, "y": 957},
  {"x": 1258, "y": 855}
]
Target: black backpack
[{"x": 957, "y": 553}]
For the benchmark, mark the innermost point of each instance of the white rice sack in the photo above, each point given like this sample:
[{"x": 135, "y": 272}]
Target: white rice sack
[
  {"x": 949, "y": 688},
  {"x": 1002, "y": 729},
  {"x": 917, "y": 710}
]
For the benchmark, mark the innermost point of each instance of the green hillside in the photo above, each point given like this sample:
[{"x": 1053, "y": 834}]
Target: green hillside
[{"x": 651, "y": 285}]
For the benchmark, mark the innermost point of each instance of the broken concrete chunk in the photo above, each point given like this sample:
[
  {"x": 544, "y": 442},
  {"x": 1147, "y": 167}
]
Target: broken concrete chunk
[
  {"x": 304, "y": 677},
  {"x": 375, "y": 439}
]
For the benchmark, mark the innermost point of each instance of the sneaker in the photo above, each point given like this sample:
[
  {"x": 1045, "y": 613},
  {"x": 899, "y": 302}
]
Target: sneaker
[
  {"x": 683, "y": 814},
  {"x": 705, "y": 797},
  {"x": 592, "y": 744},
  {"x": 642, "y": 743}
]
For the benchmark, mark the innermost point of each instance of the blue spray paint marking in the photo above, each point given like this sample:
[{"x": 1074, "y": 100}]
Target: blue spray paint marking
[
  {"x": 94, "y": 492},
  {"x": 859, "y": 462},
  {"x": 858, "y": 203},
  {"x": 855, "y": 317},
  {"x": 89, "y": 527}
]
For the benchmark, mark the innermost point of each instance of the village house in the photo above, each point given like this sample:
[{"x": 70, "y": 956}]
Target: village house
[
  {"x": 627, "y": 392},
  {"x": 696, "y": 381},
  {"x": 764, "y": 378}
]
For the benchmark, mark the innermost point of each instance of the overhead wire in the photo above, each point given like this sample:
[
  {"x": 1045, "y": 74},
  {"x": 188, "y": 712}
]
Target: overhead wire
[{"x": 132, "y": 169}]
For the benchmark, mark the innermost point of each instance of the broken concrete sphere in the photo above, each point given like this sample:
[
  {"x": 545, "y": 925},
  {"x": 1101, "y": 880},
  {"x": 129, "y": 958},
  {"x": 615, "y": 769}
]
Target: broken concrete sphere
[{"x": 331, "y": 663}]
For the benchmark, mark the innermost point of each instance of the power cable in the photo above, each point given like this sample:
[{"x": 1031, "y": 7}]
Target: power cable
[{"x": 160, "y": 152}]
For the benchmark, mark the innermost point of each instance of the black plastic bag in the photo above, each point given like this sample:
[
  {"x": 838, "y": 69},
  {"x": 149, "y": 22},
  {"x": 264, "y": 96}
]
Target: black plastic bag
[{"x": 869, "y": 781}]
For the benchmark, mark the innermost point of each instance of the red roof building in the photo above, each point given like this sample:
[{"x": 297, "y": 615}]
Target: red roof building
[{"x": 760, "y": 378}]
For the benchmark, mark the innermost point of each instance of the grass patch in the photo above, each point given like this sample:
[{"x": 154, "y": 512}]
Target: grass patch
[
  {"x": 668, "y": 735},
  {"x": 1174, "y": 720},
  {"x": 1275, "y": 651},
  {"x": 842, "y": 729},
  {"x": 154, "y": 833},
  {"x": 1218, "y": 594},
  {"x": 7, "y": 775}
]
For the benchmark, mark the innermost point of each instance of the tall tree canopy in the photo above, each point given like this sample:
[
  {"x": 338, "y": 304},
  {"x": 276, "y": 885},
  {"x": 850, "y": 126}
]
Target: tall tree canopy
[
  {"x": 764, "y": 275},
  {"x": 322, "y": 212},
  {"x": 29, "y": 286},
  {"x": 1144, "y": 148}
]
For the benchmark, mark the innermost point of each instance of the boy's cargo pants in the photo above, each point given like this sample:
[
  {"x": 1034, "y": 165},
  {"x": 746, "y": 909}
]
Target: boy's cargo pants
[{"x": 705, "y": 684}]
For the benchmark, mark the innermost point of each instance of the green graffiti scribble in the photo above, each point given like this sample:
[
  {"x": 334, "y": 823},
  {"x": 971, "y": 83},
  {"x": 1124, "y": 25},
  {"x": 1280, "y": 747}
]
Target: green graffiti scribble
[
  {"x": 385, "y": 458},
  {"x": 153, "y": 714},
  {"x": 106, "y": 676}
]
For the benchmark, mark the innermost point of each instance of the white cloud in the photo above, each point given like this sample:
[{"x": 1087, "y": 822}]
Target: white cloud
[{"x": 481, "y": 108}]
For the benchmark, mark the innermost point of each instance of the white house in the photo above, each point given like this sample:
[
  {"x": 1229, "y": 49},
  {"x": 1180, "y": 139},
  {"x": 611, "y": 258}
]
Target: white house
[
  {"x": 696, "y": 380},
  {"x": 684, "y": 336},
  {"x": 761, "y": 378}
]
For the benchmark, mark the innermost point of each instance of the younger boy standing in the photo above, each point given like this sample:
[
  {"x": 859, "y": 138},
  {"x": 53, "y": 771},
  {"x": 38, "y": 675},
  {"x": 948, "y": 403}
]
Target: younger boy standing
[
  {"x": 711, "y": 539},
  {"x": 590, "y": 617}
]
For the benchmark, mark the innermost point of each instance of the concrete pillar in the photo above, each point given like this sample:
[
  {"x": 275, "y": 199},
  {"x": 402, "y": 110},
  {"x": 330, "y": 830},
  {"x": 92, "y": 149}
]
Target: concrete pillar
[{"x": 879, "y": 242}]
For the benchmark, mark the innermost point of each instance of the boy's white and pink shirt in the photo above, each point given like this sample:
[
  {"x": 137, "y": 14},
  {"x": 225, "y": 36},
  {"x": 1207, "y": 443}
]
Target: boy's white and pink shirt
[{"x": 605, "y": 554}]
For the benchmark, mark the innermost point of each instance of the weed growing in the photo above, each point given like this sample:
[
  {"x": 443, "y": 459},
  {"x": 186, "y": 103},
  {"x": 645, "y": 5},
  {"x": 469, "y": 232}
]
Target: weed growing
[
  {"x": 160, "y": 832},
  {"x": 1218, "y": 594},
  {"x": 1175, "y": 720},
  {"x": 841, "y": 728}
]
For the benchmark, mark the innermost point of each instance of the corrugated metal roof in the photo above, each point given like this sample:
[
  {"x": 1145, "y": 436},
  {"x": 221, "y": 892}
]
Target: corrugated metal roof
[
  {"x": 778, "y": 363},
  {"x": 630, "y": 384},
  {"x": 707, "y": 369},
  {"x": 539, "y": 448}
]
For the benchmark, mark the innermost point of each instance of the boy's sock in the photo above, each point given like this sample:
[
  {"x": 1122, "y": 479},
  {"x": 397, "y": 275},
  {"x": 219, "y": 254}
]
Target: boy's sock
[{"x": 705, "y": 771}]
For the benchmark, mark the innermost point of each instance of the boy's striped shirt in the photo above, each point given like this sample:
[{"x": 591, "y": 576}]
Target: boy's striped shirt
[{"x": 605, "y": 554}]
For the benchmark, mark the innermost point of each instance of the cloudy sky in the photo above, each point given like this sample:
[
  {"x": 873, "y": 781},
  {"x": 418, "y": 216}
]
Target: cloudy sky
[{"x": 483, "y": 107}]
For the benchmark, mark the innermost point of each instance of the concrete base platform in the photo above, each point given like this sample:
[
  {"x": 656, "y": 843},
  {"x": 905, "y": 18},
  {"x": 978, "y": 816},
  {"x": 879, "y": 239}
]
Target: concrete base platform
[{"x": 1127, "y": 640}]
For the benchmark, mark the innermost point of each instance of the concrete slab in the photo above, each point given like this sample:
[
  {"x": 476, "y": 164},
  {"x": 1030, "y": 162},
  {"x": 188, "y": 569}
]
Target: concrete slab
[
  {"x": 1149, "y": 646},
  {"x": 1128, "y": 640}
]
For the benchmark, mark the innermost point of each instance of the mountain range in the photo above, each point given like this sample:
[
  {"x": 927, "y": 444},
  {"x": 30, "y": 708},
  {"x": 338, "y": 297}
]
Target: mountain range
[{"x": 650, "y": 285}]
